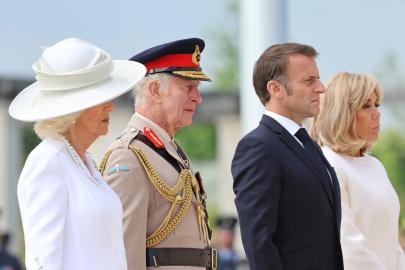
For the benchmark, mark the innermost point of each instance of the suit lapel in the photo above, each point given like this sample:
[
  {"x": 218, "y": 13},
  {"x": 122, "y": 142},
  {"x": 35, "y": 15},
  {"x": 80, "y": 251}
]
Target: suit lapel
[{"x": 289, "y": 140}]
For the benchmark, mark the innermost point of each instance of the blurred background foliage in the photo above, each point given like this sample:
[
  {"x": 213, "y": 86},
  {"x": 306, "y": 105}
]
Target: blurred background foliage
[
  {"x": 29, "y": 141},
  {"x": 390, "y": 146},
  {"x": 226, "y": 36},
  {"x": 198, "y": 140},
  {"x": 390, "y": 150}
]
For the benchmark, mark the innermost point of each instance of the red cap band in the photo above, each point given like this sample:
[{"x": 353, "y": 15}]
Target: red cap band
[{"x": 172, "y": 60}]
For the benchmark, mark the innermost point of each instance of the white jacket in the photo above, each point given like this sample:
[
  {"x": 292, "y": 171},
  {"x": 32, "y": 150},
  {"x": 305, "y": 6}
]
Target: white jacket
[{"x": 72, "y": 220}]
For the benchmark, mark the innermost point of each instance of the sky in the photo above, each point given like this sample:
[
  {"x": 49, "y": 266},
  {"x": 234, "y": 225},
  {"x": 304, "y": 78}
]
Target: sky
[
  {"x": 123, "y": 28},
  {"x": 350, "y": 35}
]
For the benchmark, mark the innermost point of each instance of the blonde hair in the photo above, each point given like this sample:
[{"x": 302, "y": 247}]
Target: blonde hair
[
  {"x": 140, "y": 89},
  {"x": 55, "y": 127},
  {"x": 335, "y": 126}
]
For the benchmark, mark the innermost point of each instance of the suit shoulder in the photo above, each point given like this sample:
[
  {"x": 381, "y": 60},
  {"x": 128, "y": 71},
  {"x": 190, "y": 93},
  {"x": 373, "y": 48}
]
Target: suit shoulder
[
  {"x": 125, "y": 139},
  {"x": 119, "y": 156},
  {"x": 254, "y": 146},
  {"x": 44, "y": 165},
  {"x": 260, "y": 136},
  {"x": 46, "y": 151}
]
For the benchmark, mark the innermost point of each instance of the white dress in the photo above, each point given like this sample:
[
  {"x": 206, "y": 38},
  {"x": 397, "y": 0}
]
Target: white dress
[
  {"x": 71, "y": 218},
  {"x": 370, "y": 212}
]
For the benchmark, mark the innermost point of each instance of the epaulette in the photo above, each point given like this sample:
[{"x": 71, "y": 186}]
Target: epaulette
[{"x": 123, "y": 141}]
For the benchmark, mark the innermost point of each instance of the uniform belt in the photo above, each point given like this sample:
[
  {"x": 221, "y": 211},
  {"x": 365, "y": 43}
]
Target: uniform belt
[{"x": 206, "y": 257}]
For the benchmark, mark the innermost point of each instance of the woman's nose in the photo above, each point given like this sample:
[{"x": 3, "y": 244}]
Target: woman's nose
[
  {"x": 377, "y": 114},
  {"x": 109, "y": 106}
]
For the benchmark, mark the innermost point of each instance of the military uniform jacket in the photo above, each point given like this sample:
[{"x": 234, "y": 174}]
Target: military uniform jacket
[{"x": 144, "y": 207}]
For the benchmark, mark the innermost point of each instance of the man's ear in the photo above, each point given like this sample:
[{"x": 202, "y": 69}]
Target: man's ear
[
  {"x": 154, "y": 91},
  {"x": 275, "y": 89}
]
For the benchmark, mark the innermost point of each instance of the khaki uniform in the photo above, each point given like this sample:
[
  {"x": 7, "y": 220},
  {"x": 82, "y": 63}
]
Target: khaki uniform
[{"x": 144, "y": 207}]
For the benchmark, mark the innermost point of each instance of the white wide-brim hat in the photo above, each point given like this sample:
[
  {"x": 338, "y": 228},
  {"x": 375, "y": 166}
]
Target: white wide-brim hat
[{"x": 71, "y": 76}]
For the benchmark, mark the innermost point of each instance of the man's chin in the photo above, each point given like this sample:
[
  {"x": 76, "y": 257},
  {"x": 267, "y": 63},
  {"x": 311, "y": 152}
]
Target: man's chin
[
  {"x": 313, "y": 113},
  {"x": 189, "y": 122},
  {"x": 185, "y": 124}
]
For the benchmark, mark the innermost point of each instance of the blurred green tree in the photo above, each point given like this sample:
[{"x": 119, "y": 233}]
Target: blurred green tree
[
  {"x": 198, "y": 140},
  {"x": 226, "y": 36},
  {"x": 29, "y": 141},
  {"x": 390, "y": 147}
]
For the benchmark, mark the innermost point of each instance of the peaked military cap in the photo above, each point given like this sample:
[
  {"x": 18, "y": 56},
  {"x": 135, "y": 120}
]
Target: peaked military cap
[
  {"x": 179, "y": 58},
  {"x": 227, "y": 223}
]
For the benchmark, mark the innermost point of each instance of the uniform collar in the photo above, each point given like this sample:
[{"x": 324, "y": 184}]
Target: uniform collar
[{"x": 140, "y": 122}]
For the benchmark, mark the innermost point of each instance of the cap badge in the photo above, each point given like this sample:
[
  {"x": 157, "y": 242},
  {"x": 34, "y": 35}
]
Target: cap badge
[{"x": 196, "y": 55}]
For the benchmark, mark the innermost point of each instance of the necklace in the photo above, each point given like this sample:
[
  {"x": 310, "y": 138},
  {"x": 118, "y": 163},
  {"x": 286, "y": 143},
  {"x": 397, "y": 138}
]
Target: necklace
[{"x": 80, "y": 163}]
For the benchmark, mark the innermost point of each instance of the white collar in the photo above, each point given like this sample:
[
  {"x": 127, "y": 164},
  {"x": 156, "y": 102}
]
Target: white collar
[{"x": 287, "y": 123}]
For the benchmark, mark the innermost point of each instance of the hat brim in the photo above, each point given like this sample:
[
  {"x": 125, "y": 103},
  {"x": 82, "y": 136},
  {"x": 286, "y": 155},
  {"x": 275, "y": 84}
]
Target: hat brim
[
  {"x": 190, "y": 75},
  {"x": 123, "y": 78}
]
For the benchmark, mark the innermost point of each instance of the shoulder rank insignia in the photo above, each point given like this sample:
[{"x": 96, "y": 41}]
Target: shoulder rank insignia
[
  {"x": 117, "y": 168},
  {"x": 151, "y": 135}
]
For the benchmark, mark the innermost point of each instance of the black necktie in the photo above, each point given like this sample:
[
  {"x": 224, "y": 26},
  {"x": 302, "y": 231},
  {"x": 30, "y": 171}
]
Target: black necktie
[
  {"x": 311, "y": 150},
  {"x": 181, "y": 154}
]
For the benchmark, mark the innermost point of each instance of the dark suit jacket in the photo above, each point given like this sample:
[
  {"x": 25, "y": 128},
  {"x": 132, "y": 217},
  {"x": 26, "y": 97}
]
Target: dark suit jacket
[{"x": 289, "y": 215}]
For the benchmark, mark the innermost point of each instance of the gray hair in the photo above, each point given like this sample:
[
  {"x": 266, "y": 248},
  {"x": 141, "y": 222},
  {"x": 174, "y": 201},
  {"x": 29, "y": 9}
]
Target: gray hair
[
  {"x": 140, "y": 89},
  {"x": 55, "y": 127}
]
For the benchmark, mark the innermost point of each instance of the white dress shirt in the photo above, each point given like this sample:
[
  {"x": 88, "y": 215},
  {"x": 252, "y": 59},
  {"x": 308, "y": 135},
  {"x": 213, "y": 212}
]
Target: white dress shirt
[
  {"x": 370, "y": 212},
  {"x": 71, "y": 218},
  {"x": 286, "y": 122}
]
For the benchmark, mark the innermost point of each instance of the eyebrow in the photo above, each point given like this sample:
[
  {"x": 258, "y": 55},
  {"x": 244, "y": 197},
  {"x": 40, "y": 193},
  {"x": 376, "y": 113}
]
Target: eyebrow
[
  {"x": 306, "y": 77},
  {"x": 376, "y": 101},
  {"x": 193, "y": 84}
]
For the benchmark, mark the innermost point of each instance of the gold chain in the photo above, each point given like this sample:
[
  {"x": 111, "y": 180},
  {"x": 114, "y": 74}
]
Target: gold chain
[
  {"x": 186, "y": 183},
  {"x": 103, "y": 162},
  {"x": 181, "y": 193}
]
